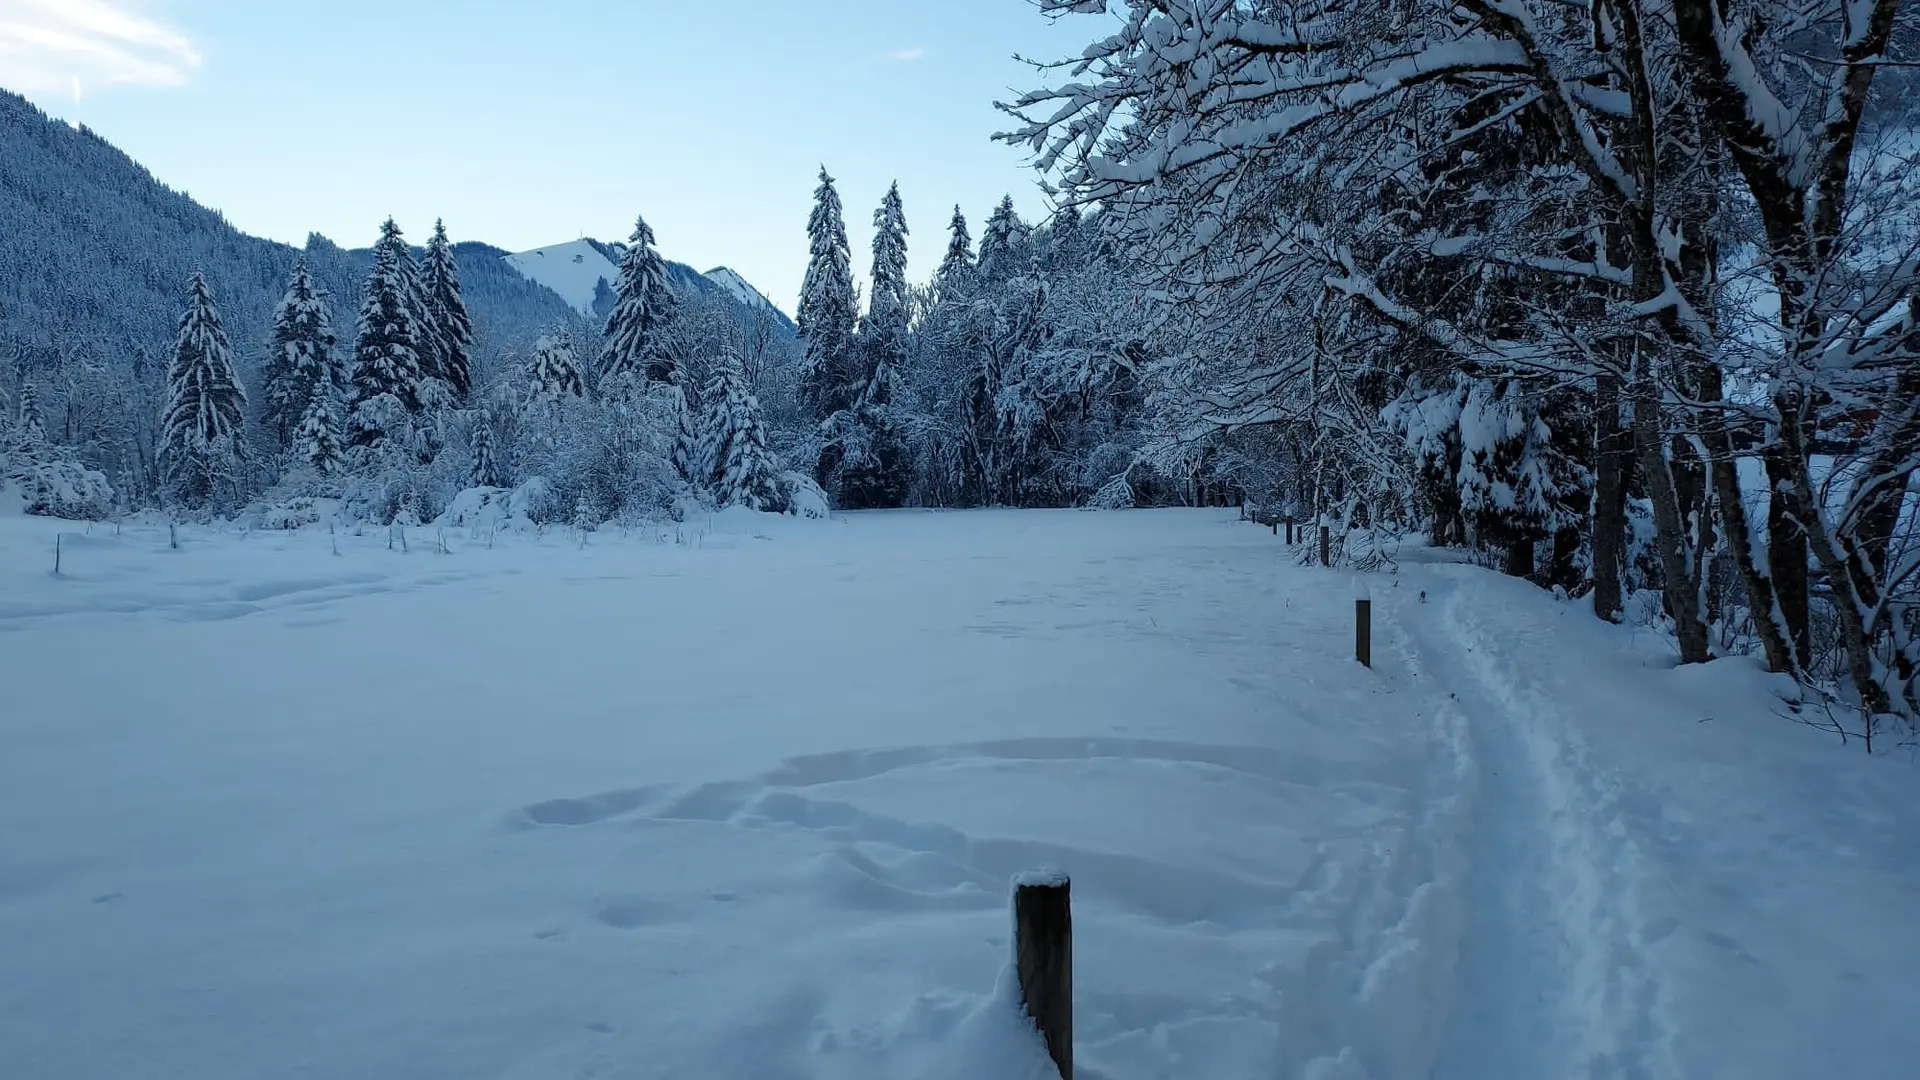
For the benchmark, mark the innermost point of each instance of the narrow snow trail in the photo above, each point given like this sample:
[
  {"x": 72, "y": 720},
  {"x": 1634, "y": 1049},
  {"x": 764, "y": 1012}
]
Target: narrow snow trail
[
  {"x": 1669, "y": 877},
  {"x": 746, "y": 806}
]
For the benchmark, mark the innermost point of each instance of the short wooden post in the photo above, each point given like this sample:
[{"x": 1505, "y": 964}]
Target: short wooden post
[
  {"x": 1326, "y": 542},
  {"x": 1276, "y": 526},
  {"x": 56, "y": 554},
  {"x": 1362, "y": 624},
  {"x": 1043, "y": 955}
]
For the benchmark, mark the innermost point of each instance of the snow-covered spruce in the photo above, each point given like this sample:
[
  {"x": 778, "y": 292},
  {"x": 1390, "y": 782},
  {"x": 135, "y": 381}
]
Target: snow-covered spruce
[
  {"x": 448, "y": 324},
  {"x": 555, "y": 371},
  {"x": 387, "y": 366},
  {"x": 638, "y": 332},
  {"x": 300, "y": 362},
  {"x": 828, "y": 308},
  {"x": 744, "y": 470},
  {"x": 202, "y": 446}
]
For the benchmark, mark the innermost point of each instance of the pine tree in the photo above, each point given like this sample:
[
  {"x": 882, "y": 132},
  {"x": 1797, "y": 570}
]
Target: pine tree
[
  {"x": 744, "y": 470},
  {"x": 33, "y": 427},
  {"x": 200, "y": 432},
  {"x": 827, "y": 306},
  {"x": 387, "y": 371},
  {"x": 998, "y": 242},
  {"x": 452, "y": 329},
  {"x": 690, "y": 444},
  {"x": 555, "y": 371},
  {"x": 318, "y": 440},
  {"x": 887, "y": 305},
  {"x": 301, "y": 365},
  {"x": 394, "y": 243},
  {"x": 637, "y": 334},
  {"x": 877, "y": 473},
  {"x": 956, "y": 270},
  {"x": 486, "y": 464}
]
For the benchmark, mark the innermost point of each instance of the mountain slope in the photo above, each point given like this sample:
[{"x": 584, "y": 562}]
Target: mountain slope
[
  {"x": 583, "y": 272},
  {"x": 742, "y": 290},
  {"x": 95, "y": 252}
]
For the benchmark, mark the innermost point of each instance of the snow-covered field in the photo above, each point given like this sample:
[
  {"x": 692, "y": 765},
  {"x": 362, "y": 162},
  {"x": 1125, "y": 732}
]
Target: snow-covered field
[{"x": 743, "y": 800}]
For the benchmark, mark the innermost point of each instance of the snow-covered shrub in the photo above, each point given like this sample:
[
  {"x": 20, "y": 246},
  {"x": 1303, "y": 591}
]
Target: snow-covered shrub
[
  {"x": 53, "y": 487},
  {"x": 1115, "y": 494},
  {"x": 296, "y": 512},
  {"x": 617, "y": 453},
  {"x": 804, "y": 497}
]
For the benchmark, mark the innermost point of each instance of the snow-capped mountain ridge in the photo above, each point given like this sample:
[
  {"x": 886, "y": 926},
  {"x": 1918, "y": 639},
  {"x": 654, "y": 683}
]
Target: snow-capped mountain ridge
[
  {"x": 575, "y": 269},
  {"x": 743, "y": 290}
]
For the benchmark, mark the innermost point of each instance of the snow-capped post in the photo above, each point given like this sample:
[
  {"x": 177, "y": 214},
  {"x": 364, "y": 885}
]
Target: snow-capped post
[
  {"x": 1326, "y": 541},
  {"x": 1362, "y": 623},
  {"x": 1043, "y": 957}
]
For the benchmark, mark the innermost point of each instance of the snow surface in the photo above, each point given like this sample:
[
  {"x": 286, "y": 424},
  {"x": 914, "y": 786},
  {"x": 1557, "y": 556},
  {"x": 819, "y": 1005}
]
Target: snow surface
[
  {"x": 572, "y": 269},
  {"x": 741, "y": 289},
  {"x": 744, "y": 797}
]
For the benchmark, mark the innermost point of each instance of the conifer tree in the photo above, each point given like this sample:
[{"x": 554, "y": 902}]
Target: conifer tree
[
  {"x": 887, "y": 305},
  {"x": 997, "y": 243},
  {"x": 486, "y": 463},
  {"x": 878, "y": 473},
  {"x": 394, "y": 242},
  {"x": 301, "y": 364},
  {"x": 956, "y": 270},
  {"x": 200, "y": 431},
  {"x": 451, "y": 327},
  {"x": 744, "y": 469},
  {"x": 33, "y": 428},
  {"x": 319, "y": 439},
  {"x": 637, "y": 334},
  {"x": 387, "y": 370},
  {"x": 690, "y": 444},
  {"x": 827, "y": 307},
  {"x": 555, "y": 371}
]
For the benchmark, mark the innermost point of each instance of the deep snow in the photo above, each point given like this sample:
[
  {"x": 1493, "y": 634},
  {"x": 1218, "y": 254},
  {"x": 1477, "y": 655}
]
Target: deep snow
[{"x": 744, "y": 798}]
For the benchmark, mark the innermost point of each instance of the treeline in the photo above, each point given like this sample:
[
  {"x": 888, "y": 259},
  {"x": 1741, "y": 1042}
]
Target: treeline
[{"x": 1622, "y": 294}]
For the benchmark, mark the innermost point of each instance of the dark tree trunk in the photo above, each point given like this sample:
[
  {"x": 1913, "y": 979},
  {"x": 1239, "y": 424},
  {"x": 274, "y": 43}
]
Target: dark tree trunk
[
  {"x": 1566, "y": 547},
  {"x": 1787, "y": 554},
  {"x": 1520, "y": 558},
  {"x": 1613, "y": 453}
]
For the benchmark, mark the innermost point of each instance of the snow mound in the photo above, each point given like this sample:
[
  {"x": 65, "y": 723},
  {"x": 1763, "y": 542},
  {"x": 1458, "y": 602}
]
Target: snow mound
[
  {"x": 511, "y": 509},
  {"x": 804, "y": 497}
]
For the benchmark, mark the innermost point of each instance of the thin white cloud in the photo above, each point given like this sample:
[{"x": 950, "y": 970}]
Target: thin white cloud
[
  {"x": 48, "y": 46},
  {"x": 904, "y": 55}
]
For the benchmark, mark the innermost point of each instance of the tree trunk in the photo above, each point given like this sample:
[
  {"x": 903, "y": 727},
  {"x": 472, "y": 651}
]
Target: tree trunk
[
  {"x": 1787, "y": 555},
  {"x": 1613, "y": 457},
  {"x": 1758, "y": 584},
  {"x": 1681, "y": 588},
  {"x": 1520, "y": 558},
  {"x": 1566, "y": 547}
]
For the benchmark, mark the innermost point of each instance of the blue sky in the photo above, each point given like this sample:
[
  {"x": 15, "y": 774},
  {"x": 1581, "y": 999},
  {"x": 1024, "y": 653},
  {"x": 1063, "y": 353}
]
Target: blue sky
[{"x": 524, "y": 124}]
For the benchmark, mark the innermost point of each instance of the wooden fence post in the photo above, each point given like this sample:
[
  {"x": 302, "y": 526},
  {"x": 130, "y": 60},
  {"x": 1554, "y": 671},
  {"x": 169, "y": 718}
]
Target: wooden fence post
[
  {"x": 1043, "y": 955},
  {"x": 1362, "y": 623},
  {"x": 1326, "y": 540}
]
